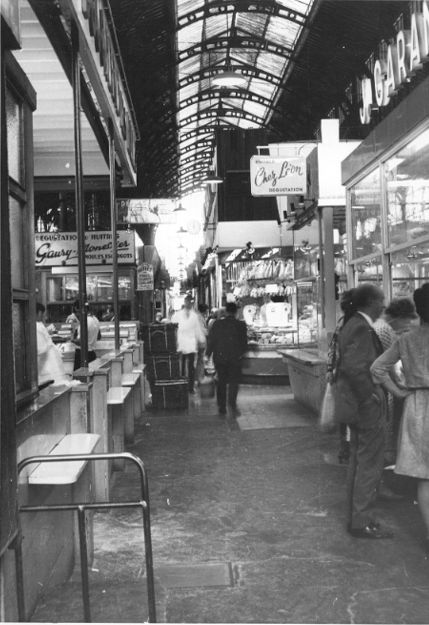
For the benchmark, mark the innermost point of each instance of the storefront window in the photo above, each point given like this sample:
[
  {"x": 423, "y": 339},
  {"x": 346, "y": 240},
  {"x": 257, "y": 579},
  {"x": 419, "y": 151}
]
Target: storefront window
[
  {"x": 410, "y": 269},
  {"x": 306, "y": 261},
  {"x": 20, "y": 219},
  {"x": 308, "y": 309},
  {"x": 370, "y": 271},
  {"x": 64, "y": 290},
  {"x": 365, "y": 200},
  {"x": 14, "y": 137},
  {"x": 407, "y": 183}
]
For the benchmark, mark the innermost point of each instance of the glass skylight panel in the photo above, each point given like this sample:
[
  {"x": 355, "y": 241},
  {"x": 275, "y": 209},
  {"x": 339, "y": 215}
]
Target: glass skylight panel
[
  {"x": 282, "y": 32},
  {"x": 275, "y": 30},
  {"x": 296, "y": 5}
]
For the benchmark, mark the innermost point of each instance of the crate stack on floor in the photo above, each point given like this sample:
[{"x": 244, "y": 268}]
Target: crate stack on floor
[{"x": 169, "y": 389}]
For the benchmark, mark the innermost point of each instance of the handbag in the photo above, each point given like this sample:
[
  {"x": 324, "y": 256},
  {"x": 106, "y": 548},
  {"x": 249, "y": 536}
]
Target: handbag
[{"x": 327, "y": 421}]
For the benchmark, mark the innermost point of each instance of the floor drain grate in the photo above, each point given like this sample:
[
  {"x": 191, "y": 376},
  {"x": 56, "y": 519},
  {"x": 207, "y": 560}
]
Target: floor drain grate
[{"x": 195, "y": 575}]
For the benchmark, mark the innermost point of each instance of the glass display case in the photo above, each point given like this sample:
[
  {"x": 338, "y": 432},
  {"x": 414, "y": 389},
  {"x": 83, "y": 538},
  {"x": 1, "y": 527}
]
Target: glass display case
[
  {"x": 264, "y": 287},
  {"x": 63, "y": 290},
  {"x": 309, "y": 318}
]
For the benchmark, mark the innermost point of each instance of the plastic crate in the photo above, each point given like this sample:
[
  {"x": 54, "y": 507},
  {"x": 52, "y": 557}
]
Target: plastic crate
[
  {"x": 170, "y": 394},
  {"x": 160, "y": 337},
  {"x": 162, "y": 366}
]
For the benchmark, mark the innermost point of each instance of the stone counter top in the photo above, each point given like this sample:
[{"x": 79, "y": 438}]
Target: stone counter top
[{"x": 304, "y": 356}]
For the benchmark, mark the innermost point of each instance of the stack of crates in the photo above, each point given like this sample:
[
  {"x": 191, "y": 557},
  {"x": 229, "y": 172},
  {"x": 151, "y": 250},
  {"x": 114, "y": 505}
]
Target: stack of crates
[{"x": 169, "y": 389}]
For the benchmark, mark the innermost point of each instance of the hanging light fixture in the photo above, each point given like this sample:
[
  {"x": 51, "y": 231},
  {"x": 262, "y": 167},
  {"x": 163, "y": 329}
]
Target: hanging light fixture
[
  {"x": 179, "y": 209},
  {"x": 213, "y": 178},
  {"x": 228, "y": 78}
]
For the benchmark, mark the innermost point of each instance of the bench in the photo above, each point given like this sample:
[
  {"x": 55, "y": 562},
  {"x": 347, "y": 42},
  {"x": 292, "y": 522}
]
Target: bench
[
  {"x": 120, "y": 416},
  {"x": 64, "y": 472}
]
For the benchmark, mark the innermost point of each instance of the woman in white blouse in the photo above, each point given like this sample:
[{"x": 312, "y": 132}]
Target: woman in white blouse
[{"x": 412, "y": 349}]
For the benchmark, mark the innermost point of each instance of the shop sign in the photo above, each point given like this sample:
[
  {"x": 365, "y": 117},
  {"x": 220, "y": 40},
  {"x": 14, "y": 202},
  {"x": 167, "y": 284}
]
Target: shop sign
[
  {"x": 145, "y": 211},
  {"x": 404, "y": 56},
  {"x": 278, "y": 176},
  {"x": 102, "y": 62},
  {"x": 60, "y": 248},
  {"x": 144, "y": 277}
]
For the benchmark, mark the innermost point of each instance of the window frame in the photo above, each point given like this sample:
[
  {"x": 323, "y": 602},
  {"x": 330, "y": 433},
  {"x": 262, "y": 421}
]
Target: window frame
[{"x": 23, "y": 192}]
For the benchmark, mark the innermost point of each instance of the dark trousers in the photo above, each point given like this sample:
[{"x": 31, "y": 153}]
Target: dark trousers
[
  {"x": 365, "y": 469},
  {"x": 188, "y": 369},
  {"x": 228, "y": 375},
  {"x": 91, "y": 356}
]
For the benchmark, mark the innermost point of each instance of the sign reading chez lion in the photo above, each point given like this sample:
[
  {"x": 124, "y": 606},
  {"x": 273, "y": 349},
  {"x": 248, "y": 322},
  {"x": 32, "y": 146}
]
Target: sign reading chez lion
[
  {"x": 60, "y": 248},
  {"x": 278, "y": 176},
  {"x": 144, "y": 277}
]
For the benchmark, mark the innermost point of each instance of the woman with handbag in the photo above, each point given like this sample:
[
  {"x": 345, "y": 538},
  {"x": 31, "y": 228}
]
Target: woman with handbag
[{"x": 327, "y": 421}]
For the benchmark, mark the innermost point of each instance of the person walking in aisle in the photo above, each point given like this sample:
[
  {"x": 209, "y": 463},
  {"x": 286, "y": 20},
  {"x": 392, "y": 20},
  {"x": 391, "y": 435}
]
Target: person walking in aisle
[
  {"x": 360, "y": 403},
  {"x": 412, "y": 349},
  {"x": 189, "y": 337},
  {"x": 227, "y": 341},
  {"x": 202, "y": 315}
]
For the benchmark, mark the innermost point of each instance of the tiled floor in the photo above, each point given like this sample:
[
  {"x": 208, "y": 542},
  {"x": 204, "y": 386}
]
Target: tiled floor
[{"x": 247, "y": 527}]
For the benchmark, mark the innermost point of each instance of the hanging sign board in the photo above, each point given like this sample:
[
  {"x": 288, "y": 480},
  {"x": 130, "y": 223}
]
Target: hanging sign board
[
  {"x": 145, "y": 211},
  {"x": 60, "y": 248},
  {"x": 144, "y": 277},
  {"x": 278, "y": 176}
]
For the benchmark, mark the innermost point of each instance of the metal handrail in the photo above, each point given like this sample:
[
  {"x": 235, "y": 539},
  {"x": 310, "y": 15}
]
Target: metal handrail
[{"x": 81, "y": 508}]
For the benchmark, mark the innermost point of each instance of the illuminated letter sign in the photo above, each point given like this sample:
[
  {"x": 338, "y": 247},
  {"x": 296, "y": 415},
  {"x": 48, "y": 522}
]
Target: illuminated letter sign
[{"x": 403, "y": 58}]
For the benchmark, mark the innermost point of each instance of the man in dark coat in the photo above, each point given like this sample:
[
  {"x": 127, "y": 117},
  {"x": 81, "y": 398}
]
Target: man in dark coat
[
  {"x": 361, "y": 404},
  {"x": 227, "y": 341}
]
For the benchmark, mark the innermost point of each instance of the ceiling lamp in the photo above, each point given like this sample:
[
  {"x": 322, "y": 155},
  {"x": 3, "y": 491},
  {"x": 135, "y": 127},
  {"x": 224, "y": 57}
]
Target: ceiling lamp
[
  {"x": 228, "y": 77},
  {"x": 212, "y": 178},
  {"x": 179, "y": 208}
]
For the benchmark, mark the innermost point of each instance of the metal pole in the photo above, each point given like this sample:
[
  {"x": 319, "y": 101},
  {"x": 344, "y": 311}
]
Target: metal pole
[
  {"x": 322, "y": 275},
  {"x": 19, "y": 572},
  {"x": 112, "y": 163},
  {"x": 84, "y": 563},
  {"x": 79, "y": 199}
]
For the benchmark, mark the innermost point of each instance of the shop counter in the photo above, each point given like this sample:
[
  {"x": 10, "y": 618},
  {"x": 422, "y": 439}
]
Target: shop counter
[
  {"x": 307, "y": 375},
  {"x": 263, "y": 364}
]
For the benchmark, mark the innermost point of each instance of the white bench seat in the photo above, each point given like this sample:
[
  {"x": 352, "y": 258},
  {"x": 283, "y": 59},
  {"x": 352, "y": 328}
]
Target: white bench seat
[
  {"x": 65, "y": 472},
  {"x": 130, "y": 379},
  {"x": 116, "y": 395}
]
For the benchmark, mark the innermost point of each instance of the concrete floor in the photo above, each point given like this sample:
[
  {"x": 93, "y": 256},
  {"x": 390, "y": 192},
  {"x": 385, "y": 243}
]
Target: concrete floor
[{"x": 248, "y": 527}]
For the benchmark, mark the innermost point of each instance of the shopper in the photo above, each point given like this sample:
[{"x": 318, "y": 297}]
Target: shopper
[
  {"x": 93, "y": 330},
  {"x": 50, "y": 364},
  {"x": 359, "y": 403},
  {"x": 412, "y": 349},
  {"x": 399, "y": 317},
  {"x": 189, "y": 338},
  {"x": 202, "y": 318},
  {"x": 227, "y": 341}
]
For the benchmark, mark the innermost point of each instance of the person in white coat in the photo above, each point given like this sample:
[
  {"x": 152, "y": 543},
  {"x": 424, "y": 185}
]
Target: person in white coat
[
  {"x": 189, "y": 338},
  {"x": 50, "y": 364}
]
